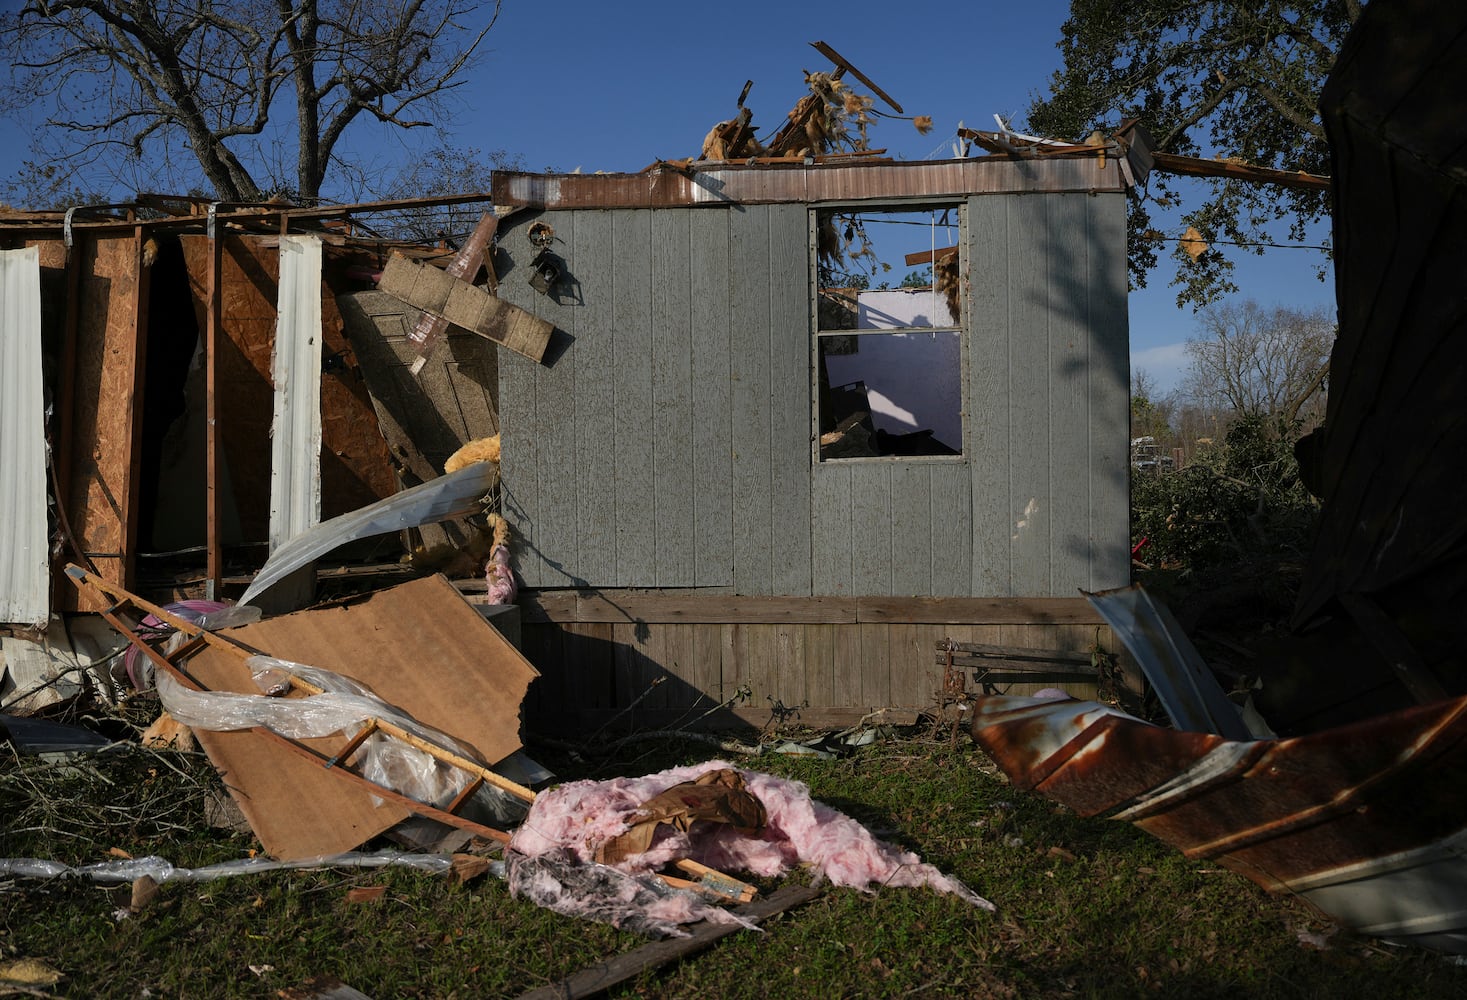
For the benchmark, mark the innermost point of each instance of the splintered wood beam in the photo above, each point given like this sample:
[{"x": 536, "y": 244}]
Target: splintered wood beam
[
  {"x": 840, "y": 60},
  {"x": 1195, "y": 166},
  {"x": 928, "y": 256},
  {"x": 461, "y": 304}
]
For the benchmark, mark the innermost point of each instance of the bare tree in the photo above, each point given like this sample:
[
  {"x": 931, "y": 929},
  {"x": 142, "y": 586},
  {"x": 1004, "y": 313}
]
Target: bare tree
[
  {"x": 139, "y": 81},
  {"x": 1271, "y": 362}
]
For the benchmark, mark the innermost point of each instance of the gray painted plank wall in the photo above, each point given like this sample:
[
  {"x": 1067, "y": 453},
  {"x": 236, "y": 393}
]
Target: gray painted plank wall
[{"x": 670, "y": 444}]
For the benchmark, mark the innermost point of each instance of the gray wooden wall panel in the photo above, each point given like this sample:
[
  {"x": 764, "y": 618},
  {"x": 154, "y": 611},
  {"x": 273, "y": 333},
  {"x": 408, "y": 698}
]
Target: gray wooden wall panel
[
  {"x": 831, "y": 540},
  {"x": 712, "y": 423},
  {"x": 555, "y": 437},
  {"x": 871, "y": 526},
  {"x": 986, "y": 429},
  {"x": 631, "y": 370},
  {"x": 519, "y": 471},
  {"x": 749, "y": 372},
  {"x": 911, "y": 528},
  {"x": 672, "y": 401},
  {"x": 951, "y": 529},
  {"x": 1070, "y": 243},
  {"x": 1030, "y": 486},
  {"x": 1110, "y": 395},
  {"x": 789, "y": 397},
  {"x": 595, "y": 472}
]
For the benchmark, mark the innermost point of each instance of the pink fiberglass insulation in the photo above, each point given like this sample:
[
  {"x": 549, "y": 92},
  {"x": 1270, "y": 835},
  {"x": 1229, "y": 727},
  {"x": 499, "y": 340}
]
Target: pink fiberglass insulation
[{"x": 579, "y": 816}]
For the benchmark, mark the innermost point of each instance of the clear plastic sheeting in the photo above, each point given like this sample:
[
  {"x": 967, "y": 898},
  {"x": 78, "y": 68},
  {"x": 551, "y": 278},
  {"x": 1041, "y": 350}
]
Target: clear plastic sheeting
[
  {"x": 160, "y": 871},
  {"x": 640, "y": 903},
  {"x": 453, "y": 495},
  {"x": 344, "y": 706}
]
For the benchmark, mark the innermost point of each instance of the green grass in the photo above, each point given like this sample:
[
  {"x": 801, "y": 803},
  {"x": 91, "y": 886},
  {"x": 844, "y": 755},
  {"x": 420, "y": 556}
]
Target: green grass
[{"x": 1087, "y": 908}]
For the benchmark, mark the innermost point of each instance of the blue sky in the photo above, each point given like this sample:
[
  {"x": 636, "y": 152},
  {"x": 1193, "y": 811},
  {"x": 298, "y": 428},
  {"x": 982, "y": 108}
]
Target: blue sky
[{"x": 614, "y": 86}]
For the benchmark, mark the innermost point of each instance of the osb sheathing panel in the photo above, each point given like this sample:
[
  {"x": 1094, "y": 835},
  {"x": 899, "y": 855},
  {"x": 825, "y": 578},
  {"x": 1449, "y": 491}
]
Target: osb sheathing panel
[
  {"x": 108, "y": 365},
  {"x": 356, "y": 468},
  {"x": 420, "y": 647}
]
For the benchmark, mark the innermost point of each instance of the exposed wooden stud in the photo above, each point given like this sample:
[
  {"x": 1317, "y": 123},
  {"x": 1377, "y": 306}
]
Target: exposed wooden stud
[
  {"x": 844, "y": 64},
  {"x": 213, "y": 497}
]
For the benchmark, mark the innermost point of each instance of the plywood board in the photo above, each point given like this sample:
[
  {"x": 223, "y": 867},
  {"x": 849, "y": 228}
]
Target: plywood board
[
  {"x": 421, "y": 647},
  {"x": 464, "y": 305}
]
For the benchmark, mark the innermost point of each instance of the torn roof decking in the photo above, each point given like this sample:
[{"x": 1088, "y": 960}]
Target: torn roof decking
[{"x": 739, "y": 184}]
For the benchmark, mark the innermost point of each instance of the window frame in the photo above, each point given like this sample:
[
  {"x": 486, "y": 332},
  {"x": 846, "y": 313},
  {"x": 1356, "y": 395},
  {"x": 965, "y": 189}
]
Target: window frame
[{"x": 816, "y": 334}]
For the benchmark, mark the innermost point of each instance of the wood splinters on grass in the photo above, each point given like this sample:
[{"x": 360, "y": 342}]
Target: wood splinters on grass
[{"x": 365, "y": 893}]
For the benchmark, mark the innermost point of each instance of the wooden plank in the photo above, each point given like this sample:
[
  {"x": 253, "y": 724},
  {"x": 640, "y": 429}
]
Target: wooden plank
[
  {"x": 1033, "y": 240},
  {"x": 989, "y": 395},
  {"x": 976, "y": 653},
  {"x": 912, "y": 521},
  {"x": 213, "y": 489},
  {"x": 875, "y": 666},
  {"x": 846, "y": 667},
  {"x": 602, "y": 976},
  {"x": 677, "y": 657},
  {"x": 830, "y": 538},
  {"x": 1071, "y": 544},
  {"x": 978, "y": 610},
  {"x": 705, "y": 673},
  {"x": 672, "y": 399},
  {"x": 694, "y": 608},
  {"x": 1110, "y": 396},
  {"x": 820, "y": 665},
  {"x": 749, "y": 371},
  {"x": 713, "y": 493},
  {"x": 908, "y": 656},
  {"x": 789, "y": 399},
  {"x": 951, "y": 529},
  {"x": 871, "y": 527},
  {"x": 635, "y": 473},
  {"x": 788, "y": 673},
  {"x": 595, "y": 410},
  {"x": 434, "y": 291}
]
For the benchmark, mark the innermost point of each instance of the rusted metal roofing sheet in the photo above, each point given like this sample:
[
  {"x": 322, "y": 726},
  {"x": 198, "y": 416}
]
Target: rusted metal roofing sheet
[
  {"x": 726, "y": 183},
  {"x": 1366, "y": 821}
]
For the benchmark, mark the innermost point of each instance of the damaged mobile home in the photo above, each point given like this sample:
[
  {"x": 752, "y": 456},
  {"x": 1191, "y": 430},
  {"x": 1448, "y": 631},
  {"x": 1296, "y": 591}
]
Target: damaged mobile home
[{"x": 704, "y": 477}]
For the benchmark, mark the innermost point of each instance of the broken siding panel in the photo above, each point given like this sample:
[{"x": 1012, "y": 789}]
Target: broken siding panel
[
  {"x": 1070, "y": 247},
  {"x": 636, "y": 524},
  {"x": 830, "y": 542},
  {"x": 1030, "y": 245},
  {"x": 712, "y": 421},
  {"x": 1110, "y": 395},
  {"x": 24, "y": 571},
  {"x": 789, "y": 398},
  {"x": 672, "y": 402},
  {"x": 749, "y": 359},
  {"x": 295, "y": 440},
  {"x": 989, "y": 394},
  {"x": 595, "y": 473},
  {"x": 555, "y": 431}
]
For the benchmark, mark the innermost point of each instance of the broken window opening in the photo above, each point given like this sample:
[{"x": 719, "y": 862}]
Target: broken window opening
[{"x": 888, "y": 353}]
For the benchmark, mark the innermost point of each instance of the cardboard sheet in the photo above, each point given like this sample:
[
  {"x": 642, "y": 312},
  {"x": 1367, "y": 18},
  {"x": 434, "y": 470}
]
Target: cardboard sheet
[{"x": 421, "y": 647}]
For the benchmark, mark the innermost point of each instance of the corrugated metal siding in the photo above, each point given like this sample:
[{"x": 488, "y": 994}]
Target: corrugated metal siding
[{"x": 24, "y": 574}]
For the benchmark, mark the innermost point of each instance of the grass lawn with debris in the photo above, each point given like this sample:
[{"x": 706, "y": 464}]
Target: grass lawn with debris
[{"x": 1088, "y": 908}]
